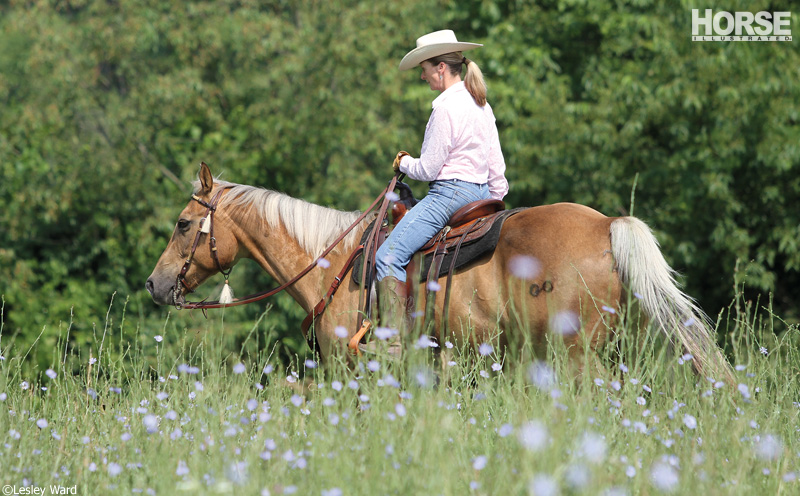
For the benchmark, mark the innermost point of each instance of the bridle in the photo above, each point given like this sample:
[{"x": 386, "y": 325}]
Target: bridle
[{"x": 211, "y": 208}]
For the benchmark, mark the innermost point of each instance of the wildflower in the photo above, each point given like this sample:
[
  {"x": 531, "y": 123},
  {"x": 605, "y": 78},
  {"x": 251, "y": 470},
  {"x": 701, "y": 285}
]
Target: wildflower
[
  {"x": 182, "y": 469},
  {"x": 41, "y": 423},
  {"x": 448, "y": 345},
  {"x": 310, "y": 364},
  {"x": 400, "y": 410},
  {"x": 150, "y": 422},
  {"x": 533, "y": 435},
  {"x": 92, "y": 361},
  {"x": 565, "y": 323},
  {"x": 542, "y": 376},
  {"x": 615, "y": 385},
  {"x": 689, "y": 421},
  {"x": 323, "y": 263},
  {"x": 641, "y": 401},
  {"x": 373, "y": 365},
  {"x": 496, "y": 367},
  {"x": 543, "y": 485},
  {"x": 630, "y": 471},
  {"x": 296, "y": 400},
  {"x": 434, "y": 286},
  {"x": 484, "y": 374},
  {"x": 608, "y": 309},
  {"x": 336, "y": 491},
  {"x": 479, "y": 462},
  {"x": 239, "y": 368},
  {"x": 424, "y": 377},
  {"x": 158, "y": 338},
  {"x": 578, "y": 476},
  {"x": 51, "y": 373},
  {"x": 505, "y": 430},
  {"x": 340, "y": 332},
  {"x": 592, "y": 447},
  {"x": 114, "y": 469},
  {"x": 126, "y": 436},
  {"x": 268, "y": 368},
  {"x": 623, "y": 368},
  {"x": 637, "y": 296},
  {"x": 664, "y": 477},
  {"x": 689, "y": 322},
  {"x": 485, "y": 349},
  {"x": 739, "y": 368},
  {"x": 336, "y": 385},
  {"x": 744, "y": 390},
  {"x": 24, "y": 385},
  {"x": 3, "y": 396},
  {"x": 425, "y": 341},
  {"x": 599, "y": 382},
  {"x": 384, "y": 333},
  {"x": 764, "y": 351},
  {"x": 353, "y": 384},
  {"x": 769, "y": 447},
  {"x": 392, "y": 196},
  {"x": 524, "y": 267},
  {"x": 333, "y": 419}
]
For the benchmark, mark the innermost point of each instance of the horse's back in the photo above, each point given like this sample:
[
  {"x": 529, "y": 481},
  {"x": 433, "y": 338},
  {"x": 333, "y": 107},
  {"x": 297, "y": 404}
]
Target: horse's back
[{"x": 554, "y": 228}]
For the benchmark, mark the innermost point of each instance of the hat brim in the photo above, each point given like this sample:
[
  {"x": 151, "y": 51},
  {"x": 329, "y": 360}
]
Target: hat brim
[{"x": 423, "y": 53}]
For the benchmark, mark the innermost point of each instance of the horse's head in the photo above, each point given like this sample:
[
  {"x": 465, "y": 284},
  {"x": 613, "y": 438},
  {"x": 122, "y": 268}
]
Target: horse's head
[{"x": 194, "y": 254}]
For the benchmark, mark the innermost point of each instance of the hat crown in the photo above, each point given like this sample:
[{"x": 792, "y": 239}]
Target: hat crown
[{"x": 443, "y": 36}]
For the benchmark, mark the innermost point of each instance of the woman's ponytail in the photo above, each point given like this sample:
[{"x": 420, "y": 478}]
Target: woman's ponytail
[{"x": 474, "y": 82}]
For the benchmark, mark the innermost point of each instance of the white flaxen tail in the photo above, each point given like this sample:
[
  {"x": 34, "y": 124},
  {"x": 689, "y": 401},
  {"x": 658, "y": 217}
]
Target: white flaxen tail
[{"x": 643, "y": 270}]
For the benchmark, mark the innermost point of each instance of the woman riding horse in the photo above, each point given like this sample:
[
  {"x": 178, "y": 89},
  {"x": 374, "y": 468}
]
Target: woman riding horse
[{"x": 461, "y": 157}]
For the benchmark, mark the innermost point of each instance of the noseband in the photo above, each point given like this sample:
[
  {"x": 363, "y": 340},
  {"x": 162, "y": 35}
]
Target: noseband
[{"x": 211, "y": 208}]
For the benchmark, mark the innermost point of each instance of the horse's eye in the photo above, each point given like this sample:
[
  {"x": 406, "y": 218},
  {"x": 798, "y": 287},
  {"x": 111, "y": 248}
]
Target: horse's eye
[{"x": 183, "y": 224}]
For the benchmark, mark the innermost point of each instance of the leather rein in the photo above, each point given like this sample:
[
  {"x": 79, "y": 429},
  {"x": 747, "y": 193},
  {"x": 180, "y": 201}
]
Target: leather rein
[{"x": 211, "y": 208}]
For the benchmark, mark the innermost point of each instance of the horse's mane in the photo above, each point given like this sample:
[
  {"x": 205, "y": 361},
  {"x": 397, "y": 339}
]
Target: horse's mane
[{"x": 313, "y": 226}]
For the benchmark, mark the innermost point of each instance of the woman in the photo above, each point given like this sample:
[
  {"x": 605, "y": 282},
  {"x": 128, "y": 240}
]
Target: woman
[{"x": 460, "y": 157}]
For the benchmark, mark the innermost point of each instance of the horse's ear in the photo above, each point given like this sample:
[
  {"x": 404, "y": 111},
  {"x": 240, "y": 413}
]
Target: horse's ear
[{"x": 206, "y": 179}]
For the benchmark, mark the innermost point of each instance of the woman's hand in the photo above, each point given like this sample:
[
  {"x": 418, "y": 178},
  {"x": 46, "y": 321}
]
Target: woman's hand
[{"x": 397, "y": 159}]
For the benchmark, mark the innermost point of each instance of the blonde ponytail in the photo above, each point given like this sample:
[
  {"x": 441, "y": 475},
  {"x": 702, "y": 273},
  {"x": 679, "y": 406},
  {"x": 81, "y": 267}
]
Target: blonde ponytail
[
  {"x": 475, "y": 83},
  {"x": 473, "y": 79}
]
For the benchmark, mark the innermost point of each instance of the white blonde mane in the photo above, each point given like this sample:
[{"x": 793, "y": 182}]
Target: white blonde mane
[{"x": 313, "y": 226}]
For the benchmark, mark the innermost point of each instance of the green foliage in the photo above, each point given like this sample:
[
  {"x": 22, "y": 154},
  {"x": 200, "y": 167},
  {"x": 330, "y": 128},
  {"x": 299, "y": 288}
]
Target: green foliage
[{"x": 109, "y": 106}]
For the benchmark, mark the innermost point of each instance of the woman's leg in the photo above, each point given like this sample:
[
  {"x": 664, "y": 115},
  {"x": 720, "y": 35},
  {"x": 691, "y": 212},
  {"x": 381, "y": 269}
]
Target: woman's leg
[{"x": 422, "y": 222}]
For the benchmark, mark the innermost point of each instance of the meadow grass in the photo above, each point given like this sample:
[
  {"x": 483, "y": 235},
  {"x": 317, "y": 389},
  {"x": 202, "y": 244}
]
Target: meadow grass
[{"x": 187, "y": 414}]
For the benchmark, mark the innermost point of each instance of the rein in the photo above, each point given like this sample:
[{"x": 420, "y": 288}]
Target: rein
[{"x": 211, "y": 208}]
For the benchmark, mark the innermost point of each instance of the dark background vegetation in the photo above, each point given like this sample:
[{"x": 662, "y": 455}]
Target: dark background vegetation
[{"x": 109, "y": 106}]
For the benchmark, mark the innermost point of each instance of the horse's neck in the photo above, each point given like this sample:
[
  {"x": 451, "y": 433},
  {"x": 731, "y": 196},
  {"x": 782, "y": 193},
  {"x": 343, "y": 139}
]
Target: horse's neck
[{"x": 277, "y": 250}]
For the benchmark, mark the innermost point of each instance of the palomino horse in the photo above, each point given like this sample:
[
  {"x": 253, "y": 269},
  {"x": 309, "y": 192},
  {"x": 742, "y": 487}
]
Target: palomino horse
[{"x": 554, "y": 265}]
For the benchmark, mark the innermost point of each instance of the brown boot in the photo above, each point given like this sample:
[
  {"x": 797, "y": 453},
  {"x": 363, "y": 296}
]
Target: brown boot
[{"x": 393, "y": 300}]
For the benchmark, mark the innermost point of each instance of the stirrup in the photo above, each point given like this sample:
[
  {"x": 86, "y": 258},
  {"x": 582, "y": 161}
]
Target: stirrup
[{"x": 353, "y": 344}]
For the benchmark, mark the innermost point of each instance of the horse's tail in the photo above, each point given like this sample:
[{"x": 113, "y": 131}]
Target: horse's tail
[{"x": 643, "y": 270}]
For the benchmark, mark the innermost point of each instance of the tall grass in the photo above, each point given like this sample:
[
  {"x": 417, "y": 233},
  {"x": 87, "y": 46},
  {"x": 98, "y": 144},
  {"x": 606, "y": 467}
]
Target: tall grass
[{"x": 190, "y": 415}]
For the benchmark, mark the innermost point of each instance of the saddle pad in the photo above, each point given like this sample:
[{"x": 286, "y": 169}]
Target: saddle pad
[{"x": 469, "y": 251}]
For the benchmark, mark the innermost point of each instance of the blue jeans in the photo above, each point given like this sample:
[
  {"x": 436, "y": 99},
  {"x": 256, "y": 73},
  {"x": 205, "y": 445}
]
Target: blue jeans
[{"x": 422, "y": 222}]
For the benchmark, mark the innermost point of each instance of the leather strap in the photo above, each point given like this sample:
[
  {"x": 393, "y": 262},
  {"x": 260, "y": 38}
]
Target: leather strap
[
  {"x": 265, "y": 294},
  {"x": 320, "y": 307},
  {"x": 446, "y": 309}
]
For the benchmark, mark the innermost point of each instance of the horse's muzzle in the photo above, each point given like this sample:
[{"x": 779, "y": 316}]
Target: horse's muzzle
[{"x": 163, "y": 294}]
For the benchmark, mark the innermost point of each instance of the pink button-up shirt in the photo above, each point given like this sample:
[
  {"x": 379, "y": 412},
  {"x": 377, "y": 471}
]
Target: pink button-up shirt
[{"x": 461, "y": 142}]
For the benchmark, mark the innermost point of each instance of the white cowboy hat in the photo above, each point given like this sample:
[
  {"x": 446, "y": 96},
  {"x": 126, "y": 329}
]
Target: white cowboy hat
[{"x": 432, "y": 45}]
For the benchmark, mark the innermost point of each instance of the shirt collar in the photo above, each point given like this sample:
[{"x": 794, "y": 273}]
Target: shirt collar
[{"x": 452, "y": 90}]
